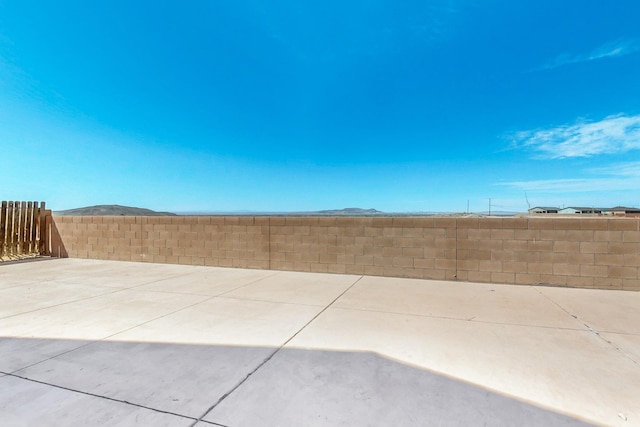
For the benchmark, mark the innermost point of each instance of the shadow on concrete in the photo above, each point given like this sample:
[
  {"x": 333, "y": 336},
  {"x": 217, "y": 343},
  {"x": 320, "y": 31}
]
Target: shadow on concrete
[
  {"x": 56, "y": 247},
  {"x": 242, "y": 386},
  {"x": 24, "y": 260}
]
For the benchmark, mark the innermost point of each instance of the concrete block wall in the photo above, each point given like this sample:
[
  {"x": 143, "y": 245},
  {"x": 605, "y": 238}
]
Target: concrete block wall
[
  {"x": 577, "y": 252},
  {"x": 191, "y": 240}
]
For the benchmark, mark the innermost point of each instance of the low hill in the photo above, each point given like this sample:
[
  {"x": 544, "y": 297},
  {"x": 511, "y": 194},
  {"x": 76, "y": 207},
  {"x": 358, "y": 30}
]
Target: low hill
[
  {"x": 347, "y": 212},
  {"x": 111, "y": 210}
]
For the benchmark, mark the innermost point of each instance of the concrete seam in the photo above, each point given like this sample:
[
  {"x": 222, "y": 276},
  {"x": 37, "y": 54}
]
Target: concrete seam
[
  {"x": 157, "y": 318},
  {"x": 114, "y": 334},
  {"x": 144, "y": 323},
  {"x": 52, "y": 357},
  {"x": 629, "y": 334},
  {"x": 248, "y": 283},
  {"x": 157, "y": 280},
  {"x": 269, "y": 301},
  {"x": 592, "y": 330},
  {"x": 62, "y": 303},
  {"x": 624, "y": 353},
  {"x": 133, "y": 288},
  {"x": 100, "y": 396},
  {"x": 561, "y": 308},
  {"x": 630, "y": 357},
  {"x": 264, "y": 362},
  {"x": 124, "y": 330},
  {"x": 212, "y": 423},
  {"x": 461, "y": 319}
]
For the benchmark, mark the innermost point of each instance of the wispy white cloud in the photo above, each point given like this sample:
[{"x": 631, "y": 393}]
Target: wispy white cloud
[
  {"x": 626, "y": 169},
  {"x": 615, "y": 177},
  {"x": 613, "y": 134},
  {"x": 608, "y": 50},
  {"x": 577, "y": 185}
]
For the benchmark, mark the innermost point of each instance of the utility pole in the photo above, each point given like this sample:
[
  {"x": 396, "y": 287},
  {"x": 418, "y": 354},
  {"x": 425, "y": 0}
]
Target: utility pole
[{"x": 489, "y": 206}]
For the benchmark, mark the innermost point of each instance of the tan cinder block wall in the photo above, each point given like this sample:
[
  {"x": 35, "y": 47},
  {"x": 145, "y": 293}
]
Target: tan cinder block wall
[
  {"x": 191, "y": 240},
  {"x": 577, "y": 252}
]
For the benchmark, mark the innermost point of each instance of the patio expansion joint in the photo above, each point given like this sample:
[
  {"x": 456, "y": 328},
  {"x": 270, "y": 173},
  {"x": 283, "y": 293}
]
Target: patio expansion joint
[
  {"x": 212, "y": 423},
  {"x": 98, "y": 396},
  {"x": 268, "y": 358},
  {"x": 219, "y": 295},
  {"x": 592, "y": 330},
  {"x": 193, "y": 293},
  {"x": 222, "y": 296},
  {"x": 64, "y": 303},
  {"x": 159, "y": 317},
  {"x": 249, "y": 283},
  {"x": 460, "y": 319},
  {"x": 114, "y": 334},
  {"x": 133, "y": 287},
  {"x": 636, "y": 362}
]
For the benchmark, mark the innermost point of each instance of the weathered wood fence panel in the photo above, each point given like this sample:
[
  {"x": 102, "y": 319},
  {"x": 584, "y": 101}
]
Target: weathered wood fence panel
[{"x": 23, "y": 230}]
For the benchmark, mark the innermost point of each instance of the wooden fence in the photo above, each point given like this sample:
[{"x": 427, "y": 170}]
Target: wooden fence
[{"x": 23, "y": 230}]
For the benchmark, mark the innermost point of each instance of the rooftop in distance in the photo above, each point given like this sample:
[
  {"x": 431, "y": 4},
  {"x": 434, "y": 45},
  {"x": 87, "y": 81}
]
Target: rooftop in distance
[{"x": 617, "y": 210}]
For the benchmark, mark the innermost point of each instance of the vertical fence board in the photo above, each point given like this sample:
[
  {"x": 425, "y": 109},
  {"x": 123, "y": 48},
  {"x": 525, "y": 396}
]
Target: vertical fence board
[
  {"x": 34, "y": 228},
  {"x": 12, "y": 229},
  {"x": 32, "y": 231},
  {"x": 42, "y": 225},
  {"x": 22, "y": 229},
  {"x": 22, "y": 219},
  {"x": 9, "y": 229},
  {"x": 27, "y": 230},
  {"x": 3, "y": 229}
]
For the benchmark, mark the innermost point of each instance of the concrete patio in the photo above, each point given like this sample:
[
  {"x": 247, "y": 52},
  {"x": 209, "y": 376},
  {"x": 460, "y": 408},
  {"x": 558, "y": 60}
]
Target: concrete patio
[{"x": 87, "y": 342}]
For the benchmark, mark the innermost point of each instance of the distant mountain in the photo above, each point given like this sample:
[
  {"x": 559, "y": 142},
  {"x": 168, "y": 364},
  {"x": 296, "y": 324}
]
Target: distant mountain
[
  {"x": 111, "y": 210},
  {"x": 329, "y": 212},
  {"x": 117, "y": 210},
  {"x": 347, "y": 212}
]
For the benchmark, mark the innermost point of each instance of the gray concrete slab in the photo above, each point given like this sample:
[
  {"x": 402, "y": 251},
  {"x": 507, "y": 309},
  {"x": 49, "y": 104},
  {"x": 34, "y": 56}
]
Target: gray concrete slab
[
  {"x": 176, "y": 378},
  {"x": 26, "y": 404},
  {"x": 125, "y": 279},
  {"x": 323, "y": 388},
  {"x": 180, "y": 338},
  {"x": 226, "y": 321},
  {"x": 604, "y": 311},
  {"x": 628, "y": 344},
  {"x": 48, "y": 269},
  {"x": 564, "y": 370},
  {"x": 17, "y": 353},
  {"x": 12, "y": 281},
  {"x": 210, "y": 281},
  {"x": 95, "y": 272},
  {"x": 297, "y": 288},
  {"x": 482, "y": 302},
  {"x": 36, "y": 296},
  {"x": 57, "y": 329}
]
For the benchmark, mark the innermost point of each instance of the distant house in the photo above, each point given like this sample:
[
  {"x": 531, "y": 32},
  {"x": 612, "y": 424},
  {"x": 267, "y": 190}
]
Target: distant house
[
  {"x": 580, "y": 210},
  {"x": 622, "y": 210},
  {"x": 572, "y": 210},
  {"x": 543, "y": 210}
]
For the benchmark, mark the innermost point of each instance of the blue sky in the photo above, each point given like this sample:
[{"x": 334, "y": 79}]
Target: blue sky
[{"x": 282, "y": 105}]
